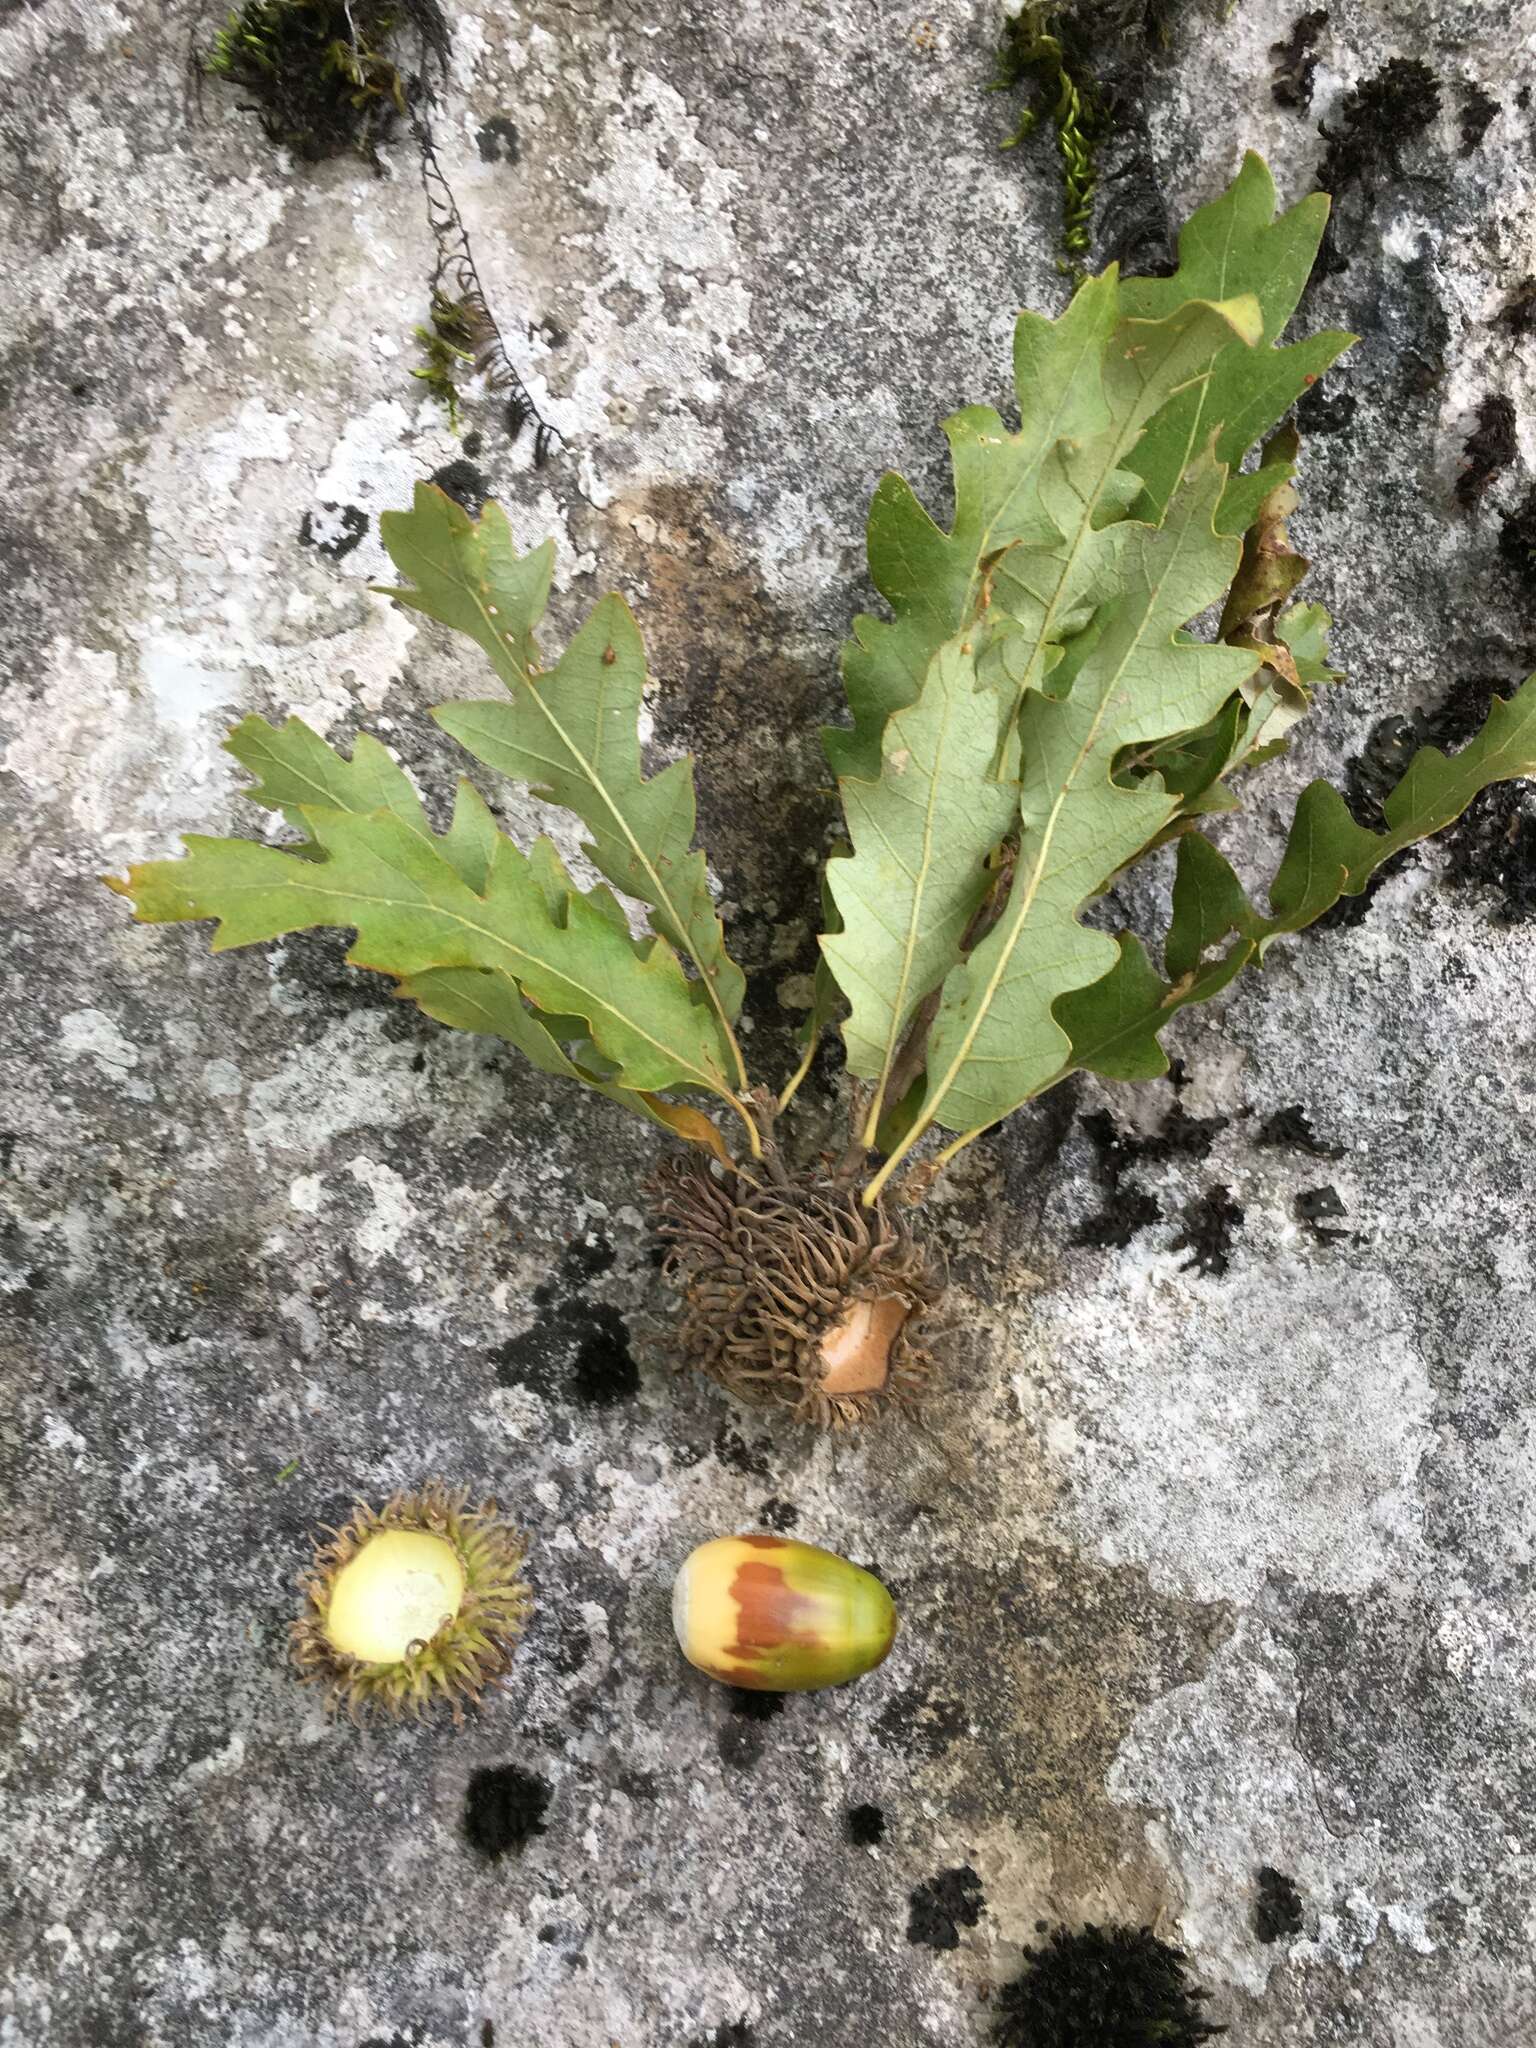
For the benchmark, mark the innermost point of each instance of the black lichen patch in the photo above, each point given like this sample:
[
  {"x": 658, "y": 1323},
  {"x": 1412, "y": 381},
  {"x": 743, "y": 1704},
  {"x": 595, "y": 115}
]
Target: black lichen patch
[
  {"x": 1128, "y": 1208},
  {"x": 1291, "y": 1127},
  {"x": 1318, "y": 1208},
  {"x": 504, "y": 1809},
  {"x": 1491, "y": 447},
  {"x": 1211, "y": 1224},
  {"x": 333, "y": 530},
  {"x": 921, "y": 1725},
  {"x": 778, "y": 1514},
  {"x": 750, "y": 1704},
  {"x": 1517, "y": 540},
  {"x": 729, "y": 2034},
  {"x": 498, "y": 141},
  {"x": 580, "y": 1352},
  {"x": 1479, "y": 110},
  {"x": 1276, "y": 1905},
  {"x": 1296, "y": 61},
  {"x": 733, "y": 1450},
  {"x": 864, "y": 1826},
  {"x": 1106, "y": 1987},
  {"x": 741, "y": 1741},
  {"x": 943, "y": 1905},
  {"x": 1379, "y": 116},
  {"x": 1518, "y": 313},
  {"x": 464, "y": 483},
  {"x": 1493, "y": 844},
  {"x": 1324, "y": 409},
  {"x": 586, "y": 1257}
]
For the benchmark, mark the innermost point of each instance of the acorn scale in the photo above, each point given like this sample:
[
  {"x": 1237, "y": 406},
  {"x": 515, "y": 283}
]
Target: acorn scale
[{"x": 773, "y": 1615}]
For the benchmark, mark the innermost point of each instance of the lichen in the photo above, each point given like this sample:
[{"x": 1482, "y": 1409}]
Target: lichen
[{"x": 1103, "y": 1985}]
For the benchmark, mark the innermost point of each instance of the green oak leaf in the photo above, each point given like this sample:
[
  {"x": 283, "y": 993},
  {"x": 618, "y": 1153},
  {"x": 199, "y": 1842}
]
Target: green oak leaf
[
  {"x": 1087, "y": 384},
  {"x": 1232, "y": 246},
  {"x": 917, "y": 873},
  {"x": 1114, "y": 1023},
  {"x": 413, "y": 912},
  {"x": 1135, "y": 678},
  {"x": 571, "y": 733}
]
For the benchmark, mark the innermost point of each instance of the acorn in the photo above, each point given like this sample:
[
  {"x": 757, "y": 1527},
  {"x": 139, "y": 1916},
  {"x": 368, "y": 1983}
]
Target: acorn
[
  {"x": 419, "y": 1601},
  {"x": 774, "y": 1615}
]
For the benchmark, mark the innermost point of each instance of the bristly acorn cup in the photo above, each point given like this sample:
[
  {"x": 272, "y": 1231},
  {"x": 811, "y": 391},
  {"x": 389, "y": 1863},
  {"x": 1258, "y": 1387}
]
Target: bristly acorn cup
[{"x": 417, "y": 1602}]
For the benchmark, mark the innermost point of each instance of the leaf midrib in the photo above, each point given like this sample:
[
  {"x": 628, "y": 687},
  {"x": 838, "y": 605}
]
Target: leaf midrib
[
  {"x": 417, "y": 905},
  {"x": 500, "y": 653}
]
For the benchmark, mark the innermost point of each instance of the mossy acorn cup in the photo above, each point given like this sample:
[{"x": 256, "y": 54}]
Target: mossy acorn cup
[{"x": 774, "y": 1615}]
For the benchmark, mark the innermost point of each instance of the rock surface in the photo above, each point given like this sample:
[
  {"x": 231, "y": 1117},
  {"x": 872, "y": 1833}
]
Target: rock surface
[{"x": 1217, "y": 1586}]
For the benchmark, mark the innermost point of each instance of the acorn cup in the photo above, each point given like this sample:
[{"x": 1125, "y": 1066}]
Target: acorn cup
[
  {"x": 773, "y": 1615},
  {"x": 417, "y": 1602}
]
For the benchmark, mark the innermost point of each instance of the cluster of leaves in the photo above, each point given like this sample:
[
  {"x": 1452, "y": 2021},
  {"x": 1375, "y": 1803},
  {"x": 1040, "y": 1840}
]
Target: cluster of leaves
[{"x": 1033, "y": 716}]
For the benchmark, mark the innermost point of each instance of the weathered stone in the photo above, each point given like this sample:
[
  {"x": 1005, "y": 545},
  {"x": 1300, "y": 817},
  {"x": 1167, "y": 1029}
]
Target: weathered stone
[{"x": 1215, "y": 1586}]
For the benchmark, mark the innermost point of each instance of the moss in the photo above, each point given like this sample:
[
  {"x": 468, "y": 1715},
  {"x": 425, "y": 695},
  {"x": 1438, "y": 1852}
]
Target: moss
[
  {"x": 448, "y": 345},
  {"x": 330, "y": 77},
  {"x": 321, "y": 75},
  {"x": 1045, "y": 54},
  {"x": 1104, "y": 1985},
  {"x": 1085, "y": 66}
]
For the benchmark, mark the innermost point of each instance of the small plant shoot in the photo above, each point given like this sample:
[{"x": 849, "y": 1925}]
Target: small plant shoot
[{"x": 1032, "y": 714}]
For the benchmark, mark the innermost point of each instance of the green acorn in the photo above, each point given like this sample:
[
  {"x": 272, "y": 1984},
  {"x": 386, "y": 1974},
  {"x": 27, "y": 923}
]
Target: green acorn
[
  {"x": 774, "y": 1615},
  {"x": 419, "y": 1601}
]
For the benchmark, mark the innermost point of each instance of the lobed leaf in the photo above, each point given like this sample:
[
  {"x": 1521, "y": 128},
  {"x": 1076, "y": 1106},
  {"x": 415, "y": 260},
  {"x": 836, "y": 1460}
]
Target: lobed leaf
[
  {"x": 1234, "y": 245},
  {"x": 1114, "y": 1025},
  {"x": 1087, "y": 385},
  {"x": 571, "y": 733},
  {"x": 917, "y": 873},
  {"x": 414, "y": 913}
]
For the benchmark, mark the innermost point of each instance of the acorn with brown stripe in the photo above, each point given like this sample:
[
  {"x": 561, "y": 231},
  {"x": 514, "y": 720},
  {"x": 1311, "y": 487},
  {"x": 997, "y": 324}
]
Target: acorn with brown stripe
[{"x": 773, "y": 1615}]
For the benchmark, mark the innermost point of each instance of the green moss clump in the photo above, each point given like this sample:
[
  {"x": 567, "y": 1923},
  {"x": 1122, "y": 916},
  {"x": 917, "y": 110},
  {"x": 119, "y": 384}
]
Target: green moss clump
[
  {"x": 449, "y": 346},
  {"x": 1035, "y": 52},
  {"x": 320, "y": 73}
]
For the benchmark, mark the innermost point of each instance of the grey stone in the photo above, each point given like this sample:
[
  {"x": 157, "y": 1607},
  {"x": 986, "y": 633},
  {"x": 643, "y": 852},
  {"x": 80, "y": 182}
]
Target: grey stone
[{"x": 1216, "y": 1588}]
